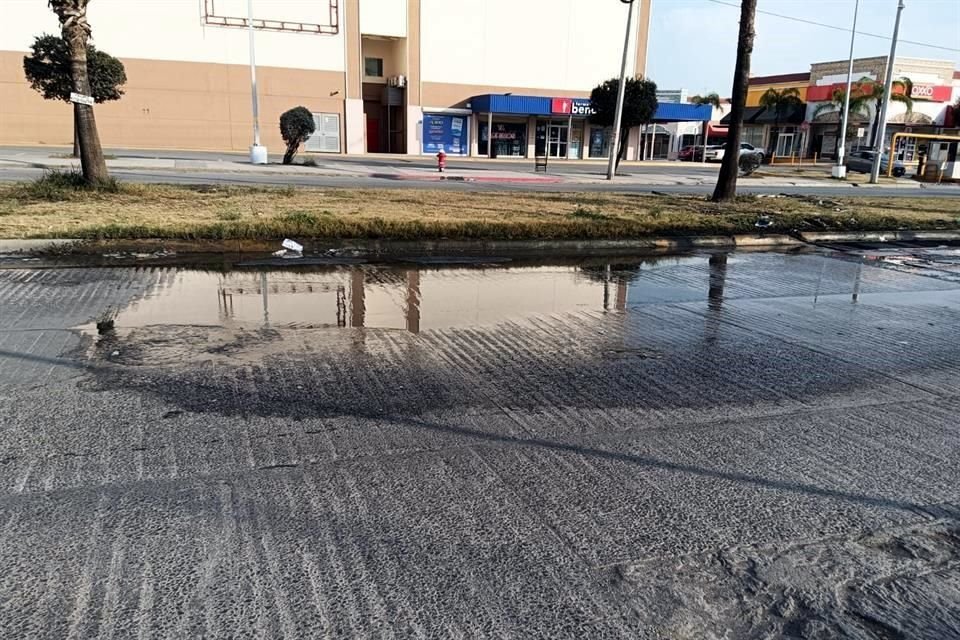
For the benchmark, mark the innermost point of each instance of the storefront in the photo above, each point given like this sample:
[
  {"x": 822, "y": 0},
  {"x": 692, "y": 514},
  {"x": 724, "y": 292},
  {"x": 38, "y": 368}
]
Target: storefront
[
  {"x": 560, "y": 128},
  {"x": 524, "y": 126}
]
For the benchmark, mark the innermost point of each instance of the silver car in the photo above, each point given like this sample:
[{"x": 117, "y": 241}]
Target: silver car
[{"x": 862, "y": 162}]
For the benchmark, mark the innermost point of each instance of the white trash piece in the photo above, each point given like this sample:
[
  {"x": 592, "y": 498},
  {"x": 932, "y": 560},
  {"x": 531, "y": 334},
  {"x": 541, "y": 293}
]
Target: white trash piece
[{"x": 293, "y": 246}]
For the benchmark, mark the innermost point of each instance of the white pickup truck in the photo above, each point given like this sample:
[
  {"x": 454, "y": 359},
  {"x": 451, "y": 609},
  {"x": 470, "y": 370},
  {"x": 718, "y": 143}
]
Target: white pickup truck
[{"x": 715, "y": 153}]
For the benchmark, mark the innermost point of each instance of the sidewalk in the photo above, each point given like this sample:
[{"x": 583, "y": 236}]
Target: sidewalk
[{"x": 649, "y": 173}]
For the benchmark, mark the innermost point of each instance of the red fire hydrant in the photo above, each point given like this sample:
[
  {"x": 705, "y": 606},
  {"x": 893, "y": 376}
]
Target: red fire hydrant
[{"x": 441, "y": 161}]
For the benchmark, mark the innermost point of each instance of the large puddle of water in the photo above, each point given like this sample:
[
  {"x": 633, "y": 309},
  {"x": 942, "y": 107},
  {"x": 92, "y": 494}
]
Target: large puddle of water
[
  {"x": 418, "y": 297},
  {"x": 409, "y": 297}
]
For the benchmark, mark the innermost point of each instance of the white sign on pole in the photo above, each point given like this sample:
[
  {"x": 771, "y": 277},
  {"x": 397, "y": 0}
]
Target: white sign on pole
[
  {"x": 861, "y": 132},
  {"x": 81, "y": 99}
]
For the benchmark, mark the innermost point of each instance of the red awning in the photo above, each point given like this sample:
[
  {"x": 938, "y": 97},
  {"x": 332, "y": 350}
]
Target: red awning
[{"x": 716, "y": 131}]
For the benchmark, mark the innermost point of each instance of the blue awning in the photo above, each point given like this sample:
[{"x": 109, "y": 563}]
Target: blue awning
[
  {"x": 682, "y": 112},
  {"x": 520, "y": 105},
  {"x": 560, "y": 106}
]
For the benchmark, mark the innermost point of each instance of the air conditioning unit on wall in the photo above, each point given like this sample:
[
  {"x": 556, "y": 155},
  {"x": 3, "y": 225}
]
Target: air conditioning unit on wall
[{"x": 397, "y": 81}]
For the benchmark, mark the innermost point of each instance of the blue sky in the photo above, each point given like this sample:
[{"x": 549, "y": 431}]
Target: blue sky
[{"x": 693, "y": 43}]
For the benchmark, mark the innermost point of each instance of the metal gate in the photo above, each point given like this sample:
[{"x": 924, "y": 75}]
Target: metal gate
[{"x": 326, "y": 138}]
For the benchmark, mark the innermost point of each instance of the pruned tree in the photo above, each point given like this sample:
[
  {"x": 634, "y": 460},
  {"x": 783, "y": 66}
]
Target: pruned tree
[
  {"x": 296, "y": 125},
  {"x": 75, "y": 31},
  {"x": 47, "y": 68},
  {"x": 726, "y": 188},
  {"x": 711, "y": 98},
  {"x": 639, "y": 106},
  {"x": 780, "y": 102}
]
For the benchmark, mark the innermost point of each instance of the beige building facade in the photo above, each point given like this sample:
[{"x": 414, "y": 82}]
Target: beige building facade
[{"x": 372, "y": 71}]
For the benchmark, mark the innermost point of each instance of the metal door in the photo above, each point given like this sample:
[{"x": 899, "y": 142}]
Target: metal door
[{"x": 326, "y": 136}]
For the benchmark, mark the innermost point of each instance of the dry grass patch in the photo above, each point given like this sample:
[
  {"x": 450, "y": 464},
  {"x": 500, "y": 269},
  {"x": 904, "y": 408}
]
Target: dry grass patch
[{"x": 233, "y": 212}]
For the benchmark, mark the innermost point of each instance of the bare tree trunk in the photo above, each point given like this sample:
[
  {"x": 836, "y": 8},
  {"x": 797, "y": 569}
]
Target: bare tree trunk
[
  {"x": 76, "y": 136},
  {"x": 726, "y": 189},
  {"x": 876, "y": 124},
  {"x": 622, "y": 145},
  {"x": 75, "y": 31}
]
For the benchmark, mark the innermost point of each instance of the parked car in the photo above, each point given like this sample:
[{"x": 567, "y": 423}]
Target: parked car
[
  {"x": 862, "y": 162},
  {"x": 715, "y": 153},
  {"x": 691, "y": 153}
]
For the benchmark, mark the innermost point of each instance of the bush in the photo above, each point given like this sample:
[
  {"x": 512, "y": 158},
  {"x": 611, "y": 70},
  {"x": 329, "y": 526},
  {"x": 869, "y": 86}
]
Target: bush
[{"x": 296, "y": 125}]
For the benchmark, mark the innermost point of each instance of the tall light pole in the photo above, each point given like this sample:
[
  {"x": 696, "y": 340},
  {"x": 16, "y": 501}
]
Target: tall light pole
[
  {"x": 840, "y": 170},
  {"x": 615, "y": 141},
  {"x": 258, "y": 154},
  {"x": 887, "y": 84}
]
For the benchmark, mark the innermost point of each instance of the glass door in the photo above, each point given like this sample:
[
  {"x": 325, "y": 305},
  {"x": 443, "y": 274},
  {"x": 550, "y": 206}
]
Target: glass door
[
  {"x": 558, "y": 140},
  {"x": 784, "y": 145}
]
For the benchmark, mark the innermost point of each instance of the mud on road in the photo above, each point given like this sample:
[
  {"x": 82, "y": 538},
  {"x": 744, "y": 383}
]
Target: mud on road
[{"x": 700, "y": 446}]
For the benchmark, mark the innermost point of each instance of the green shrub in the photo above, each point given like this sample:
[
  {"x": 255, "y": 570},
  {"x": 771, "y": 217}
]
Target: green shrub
[{"x": 296, "y": 125}]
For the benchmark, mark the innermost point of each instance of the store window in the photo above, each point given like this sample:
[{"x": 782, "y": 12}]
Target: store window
[
  {"x": 753, "y": 135},
  {"x": 373, "y": 67},
  {"x": 599, "y": 139},
  {"x": 509, "y": 139}
]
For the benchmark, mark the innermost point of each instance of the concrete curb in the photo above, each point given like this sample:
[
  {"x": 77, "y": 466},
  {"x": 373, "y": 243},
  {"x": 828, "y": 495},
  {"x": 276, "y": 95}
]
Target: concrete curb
[
  {"x": 27, "y": 246},
  {"x": 399, "y": 248},
  {"x": 879, "y": 236}
]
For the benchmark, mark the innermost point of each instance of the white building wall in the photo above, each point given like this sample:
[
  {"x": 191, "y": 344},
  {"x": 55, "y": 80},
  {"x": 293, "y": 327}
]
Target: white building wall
[
  {"x": 551, "y": 44},
  {"x": 174, "y": 30},
  {"x": 383, "y": 18}
]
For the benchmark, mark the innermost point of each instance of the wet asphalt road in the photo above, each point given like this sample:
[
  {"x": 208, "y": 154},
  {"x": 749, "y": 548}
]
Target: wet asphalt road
[{"x": 703, "y": 446}]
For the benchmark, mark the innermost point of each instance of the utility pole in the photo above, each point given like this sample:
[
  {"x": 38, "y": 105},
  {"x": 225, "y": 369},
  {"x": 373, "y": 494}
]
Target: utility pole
[
  {"x": 840, "y": 170},
  {"x": 258, "y": 154},
  {"x": 887, "y": 84},
  {"x": 615, "y": 141}
]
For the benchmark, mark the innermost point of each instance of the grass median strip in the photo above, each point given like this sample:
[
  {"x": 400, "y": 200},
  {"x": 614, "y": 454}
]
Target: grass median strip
[{"x": 57, "y": 207}]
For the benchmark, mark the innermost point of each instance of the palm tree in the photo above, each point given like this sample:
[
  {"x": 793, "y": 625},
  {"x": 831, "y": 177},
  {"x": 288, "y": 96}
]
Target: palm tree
[
  {"x": 711, "y": 98},
  {"x": 780, "y": 102},
  {"x": 859, "y": 106},
  {"x": 726, "y": 189},
  {"x": 900, "y": 91},
  {"x": 75, "y": 31}
]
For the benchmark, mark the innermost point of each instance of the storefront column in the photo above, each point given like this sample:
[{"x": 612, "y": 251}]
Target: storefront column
[
  {"x": 490, "y": 134},
  {"x": 569, "y": 134},
  {"x": 532, "y": 137},
  {"x": 474, "y": 135}
]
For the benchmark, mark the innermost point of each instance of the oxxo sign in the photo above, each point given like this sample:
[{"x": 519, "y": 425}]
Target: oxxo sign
[{"x": 571, "y": 107}]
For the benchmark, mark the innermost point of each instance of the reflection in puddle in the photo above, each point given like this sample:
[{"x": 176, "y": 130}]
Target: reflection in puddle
[
  {"x": 407, "y": 298},
  {"x": 419, "y": 298}
]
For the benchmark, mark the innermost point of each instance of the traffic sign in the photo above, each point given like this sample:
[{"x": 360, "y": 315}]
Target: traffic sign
[{"x": 81, "y": 99}]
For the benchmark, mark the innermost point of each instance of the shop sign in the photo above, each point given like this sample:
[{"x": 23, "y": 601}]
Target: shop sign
[
  {"x": 932, "y": 92},
  {"x": 562, "y": 106},
  {"x": 447, "y": 133},
  {"x": 571, "y": 107},
  {"x": 583, "y": 108}
]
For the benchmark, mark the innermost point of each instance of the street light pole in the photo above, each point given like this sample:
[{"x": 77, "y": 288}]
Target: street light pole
[
  {"x": 615, "y": 141},
  {"x": 840, "y": 170},
  {"x": 887, "y": 84},
  {"x": 258, "y": 154}
]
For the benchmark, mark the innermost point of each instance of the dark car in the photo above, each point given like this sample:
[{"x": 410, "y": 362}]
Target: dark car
[
  {"x": 862, "y": 162},
  {"x": 690, "y": 153}
]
